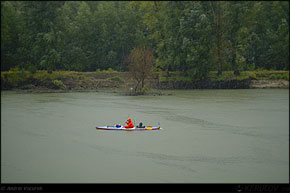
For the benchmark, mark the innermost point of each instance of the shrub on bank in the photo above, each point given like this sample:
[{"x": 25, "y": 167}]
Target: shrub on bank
[
  {"x": 280, "y": 76},
  {"x": 286, "y": 76},
  {"x": 116, "y": 78},
  {"x": 229, "y": 75},
  {"x": 14, "y": 77},
  {"x": 59, "y": 84},
  {"x": 109, "y": 70}
]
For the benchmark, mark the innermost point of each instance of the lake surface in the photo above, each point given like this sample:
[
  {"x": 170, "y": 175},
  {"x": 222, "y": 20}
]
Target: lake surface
[{"x": 208, "y": 136}]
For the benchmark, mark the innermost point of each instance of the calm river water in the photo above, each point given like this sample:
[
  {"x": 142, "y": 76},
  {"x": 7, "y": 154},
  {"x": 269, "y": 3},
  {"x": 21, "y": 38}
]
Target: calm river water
[{"x": 208, "y": 136}]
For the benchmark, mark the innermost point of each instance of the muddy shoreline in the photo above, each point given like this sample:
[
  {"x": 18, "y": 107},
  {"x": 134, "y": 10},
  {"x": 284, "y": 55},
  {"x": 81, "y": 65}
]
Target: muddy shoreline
[
  {"x": 226, "y": 84},
  {"x": 97, "y": 85}
]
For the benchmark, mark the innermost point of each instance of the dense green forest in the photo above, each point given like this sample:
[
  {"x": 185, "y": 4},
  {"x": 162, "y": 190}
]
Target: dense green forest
[{"x": 191, "y": 37}]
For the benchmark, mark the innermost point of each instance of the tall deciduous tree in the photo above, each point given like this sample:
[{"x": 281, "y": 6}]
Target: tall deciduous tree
[
  {"x": 195, "y": 32},
  {"x": 39, "y": 38},
  {"x": 235, "y": 15},
  {"x": 219, "y": 42},
  {"x": 191, "y": 37},
  {"x": 11, "y": 25}
]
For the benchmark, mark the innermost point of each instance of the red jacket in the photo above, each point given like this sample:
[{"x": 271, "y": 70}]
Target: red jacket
[{"x": 129, "y": 124}]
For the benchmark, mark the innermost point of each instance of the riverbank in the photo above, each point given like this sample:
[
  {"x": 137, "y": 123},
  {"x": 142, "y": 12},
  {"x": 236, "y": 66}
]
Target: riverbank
[
  {"x": 65, "y": 81},
  {"x": 226, "y": 84}
]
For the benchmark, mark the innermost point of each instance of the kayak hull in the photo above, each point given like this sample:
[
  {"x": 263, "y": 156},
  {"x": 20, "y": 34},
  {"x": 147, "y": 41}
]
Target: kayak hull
[{"x": 127, "y": 129}]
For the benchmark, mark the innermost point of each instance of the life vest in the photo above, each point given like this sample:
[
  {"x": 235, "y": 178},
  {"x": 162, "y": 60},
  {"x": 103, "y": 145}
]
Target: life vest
[{"x": 129, "y": 124}]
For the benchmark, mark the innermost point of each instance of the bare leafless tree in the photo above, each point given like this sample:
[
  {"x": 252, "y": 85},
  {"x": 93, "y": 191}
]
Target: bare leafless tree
[{"x": 141, "y": 61}]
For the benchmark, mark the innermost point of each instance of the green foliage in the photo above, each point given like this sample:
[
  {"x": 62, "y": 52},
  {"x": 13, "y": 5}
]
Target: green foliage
[
  {"x": 110, "y": 70},
  {"x": 42, "y": 75},
  {"x": 176, "y": 77},
  {"x": 144, "y": 90},
  {"x": 195, "y": 30},
  {"x": 82, "y": 77},
  {"x": 253, "y": 76},
  {"x": 192, "y": 37},
  {"x": 225, "y": 75},
  {"x": 32, "y": 69},
  {"x": 279, "y": 76},
  {"x": 116, "y": 78},
  {"x": 273, "y": 76},
  {"x": 11, "y": 25},
  {"x": 15, "y": 69},
  {"x": 14, "y": 77},
  {"x": 286, "y": 76},
  {"x": 59, "y": 84}
]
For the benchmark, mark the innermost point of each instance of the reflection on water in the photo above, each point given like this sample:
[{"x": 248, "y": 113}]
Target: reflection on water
[{"x": 208, "y": 136}]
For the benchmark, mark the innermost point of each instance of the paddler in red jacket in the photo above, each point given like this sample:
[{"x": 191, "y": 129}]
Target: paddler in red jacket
[{"x": 129, "y": 124}]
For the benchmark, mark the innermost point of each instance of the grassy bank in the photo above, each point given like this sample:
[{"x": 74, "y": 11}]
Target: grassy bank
[
  {"x": 71, "y": 80},
  {"x": 246, "y": 80},
  {"x": 16, "y": 78},
  {"x": 229, "y": 75}
]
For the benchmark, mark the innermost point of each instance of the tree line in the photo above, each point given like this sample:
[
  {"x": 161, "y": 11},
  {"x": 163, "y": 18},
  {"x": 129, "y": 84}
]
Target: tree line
[{"x": 191, "y": 37}]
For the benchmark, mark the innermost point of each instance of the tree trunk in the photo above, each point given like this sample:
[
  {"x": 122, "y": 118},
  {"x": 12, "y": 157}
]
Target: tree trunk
[
  {"x": 137, "y": 86},
  {"x": 220, "y": 68},
  {"x": 142, "y": 83},
  {"x": 219, "y": 27},
  {"x": 167, "y": 73},
  {"x": 234, "y": 64}
]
